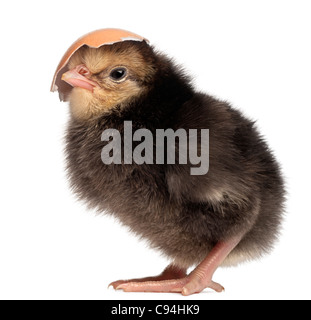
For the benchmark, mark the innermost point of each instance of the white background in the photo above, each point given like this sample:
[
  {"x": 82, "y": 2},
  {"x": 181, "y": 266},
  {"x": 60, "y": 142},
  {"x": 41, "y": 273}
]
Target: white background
[{"x": 255, "y": 54}]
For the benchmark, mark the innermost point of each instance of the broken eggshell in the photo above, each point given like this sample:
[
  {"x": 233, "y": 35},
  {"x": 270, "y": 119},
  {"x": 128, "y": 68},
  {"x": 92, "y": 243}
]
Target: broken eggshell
[{"x": 93, "y": 39}]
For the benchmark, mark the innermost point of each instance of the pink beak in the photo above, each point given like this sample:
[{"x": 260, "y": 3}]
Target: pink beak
[{"x": 78, "y": 77}]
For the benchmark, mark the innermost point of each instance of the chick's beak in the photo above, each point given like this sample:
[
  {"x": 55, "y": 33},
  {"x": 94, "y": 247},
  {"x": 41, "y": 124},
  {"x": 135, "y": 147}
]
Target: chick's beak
[{"x": 79, "y": 77}]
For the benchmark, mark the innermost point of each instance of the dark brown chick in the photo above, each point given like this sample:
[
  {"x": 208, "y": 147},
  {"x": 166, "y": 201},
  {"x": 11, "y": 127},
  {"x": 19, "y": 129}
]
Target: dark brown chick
[{"x": 224, "y": 217}]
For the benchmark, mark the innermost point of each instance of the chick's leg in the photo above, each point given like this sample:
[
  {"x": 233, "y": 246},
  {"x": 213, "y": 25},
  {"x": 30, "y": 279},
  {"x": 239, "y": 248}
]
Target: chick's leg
[
  {"x": 171, "y": 272},
  {"x": 199, "y": 279}
]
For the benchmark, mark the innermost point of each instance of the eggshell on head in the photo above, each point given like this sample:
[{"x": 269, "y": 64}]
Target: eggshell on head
[{"x": 93, "y": 39}]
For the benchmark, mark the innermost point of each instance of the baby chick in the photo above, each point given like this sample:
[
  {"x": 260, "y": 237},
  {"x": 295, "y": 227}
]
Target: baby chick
[{"x": 228, "y": 215}]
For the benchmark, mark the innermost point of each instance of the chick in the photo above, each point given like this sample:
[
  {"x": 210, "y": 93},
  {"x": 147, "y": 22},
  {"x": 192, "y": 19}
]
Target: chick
[{"x": 228, "y": 215}]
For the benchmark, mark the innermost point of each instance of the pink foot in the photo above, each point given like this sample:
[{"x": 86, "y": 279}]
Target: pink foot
[
  {"x": 170, "y": 273},
  {"x": 185, "y": 286},
  {"x": 176, "y": 280}
]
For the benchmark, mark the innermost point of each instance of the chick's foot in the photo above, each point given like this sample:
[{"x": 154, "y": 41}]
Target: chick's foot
[
  {"x": 185, "y": 286},
  {"x": 170, "y": 273},
  {"x": 198, "y": 280}
]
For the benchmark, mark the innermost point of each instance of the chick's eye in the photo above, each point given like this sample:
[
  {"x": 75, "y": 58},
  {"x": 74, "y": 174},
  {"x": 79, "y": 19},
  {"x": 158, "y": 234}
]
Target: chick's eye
[{"x": 118, "y": 74}]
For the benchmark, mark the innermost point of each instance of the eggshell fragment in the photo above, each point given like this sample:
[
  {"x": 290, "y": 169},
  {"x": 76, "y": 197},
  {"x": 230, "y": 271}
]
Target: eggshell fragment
[{"x": 93, "y": 39}]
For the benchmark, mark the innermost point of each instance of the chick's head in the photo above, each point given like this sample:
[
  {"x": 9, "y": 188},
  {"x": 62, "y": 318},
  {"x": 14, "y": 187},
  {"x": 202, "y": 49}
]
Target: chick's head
[{"x": 108, "y": 76}]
